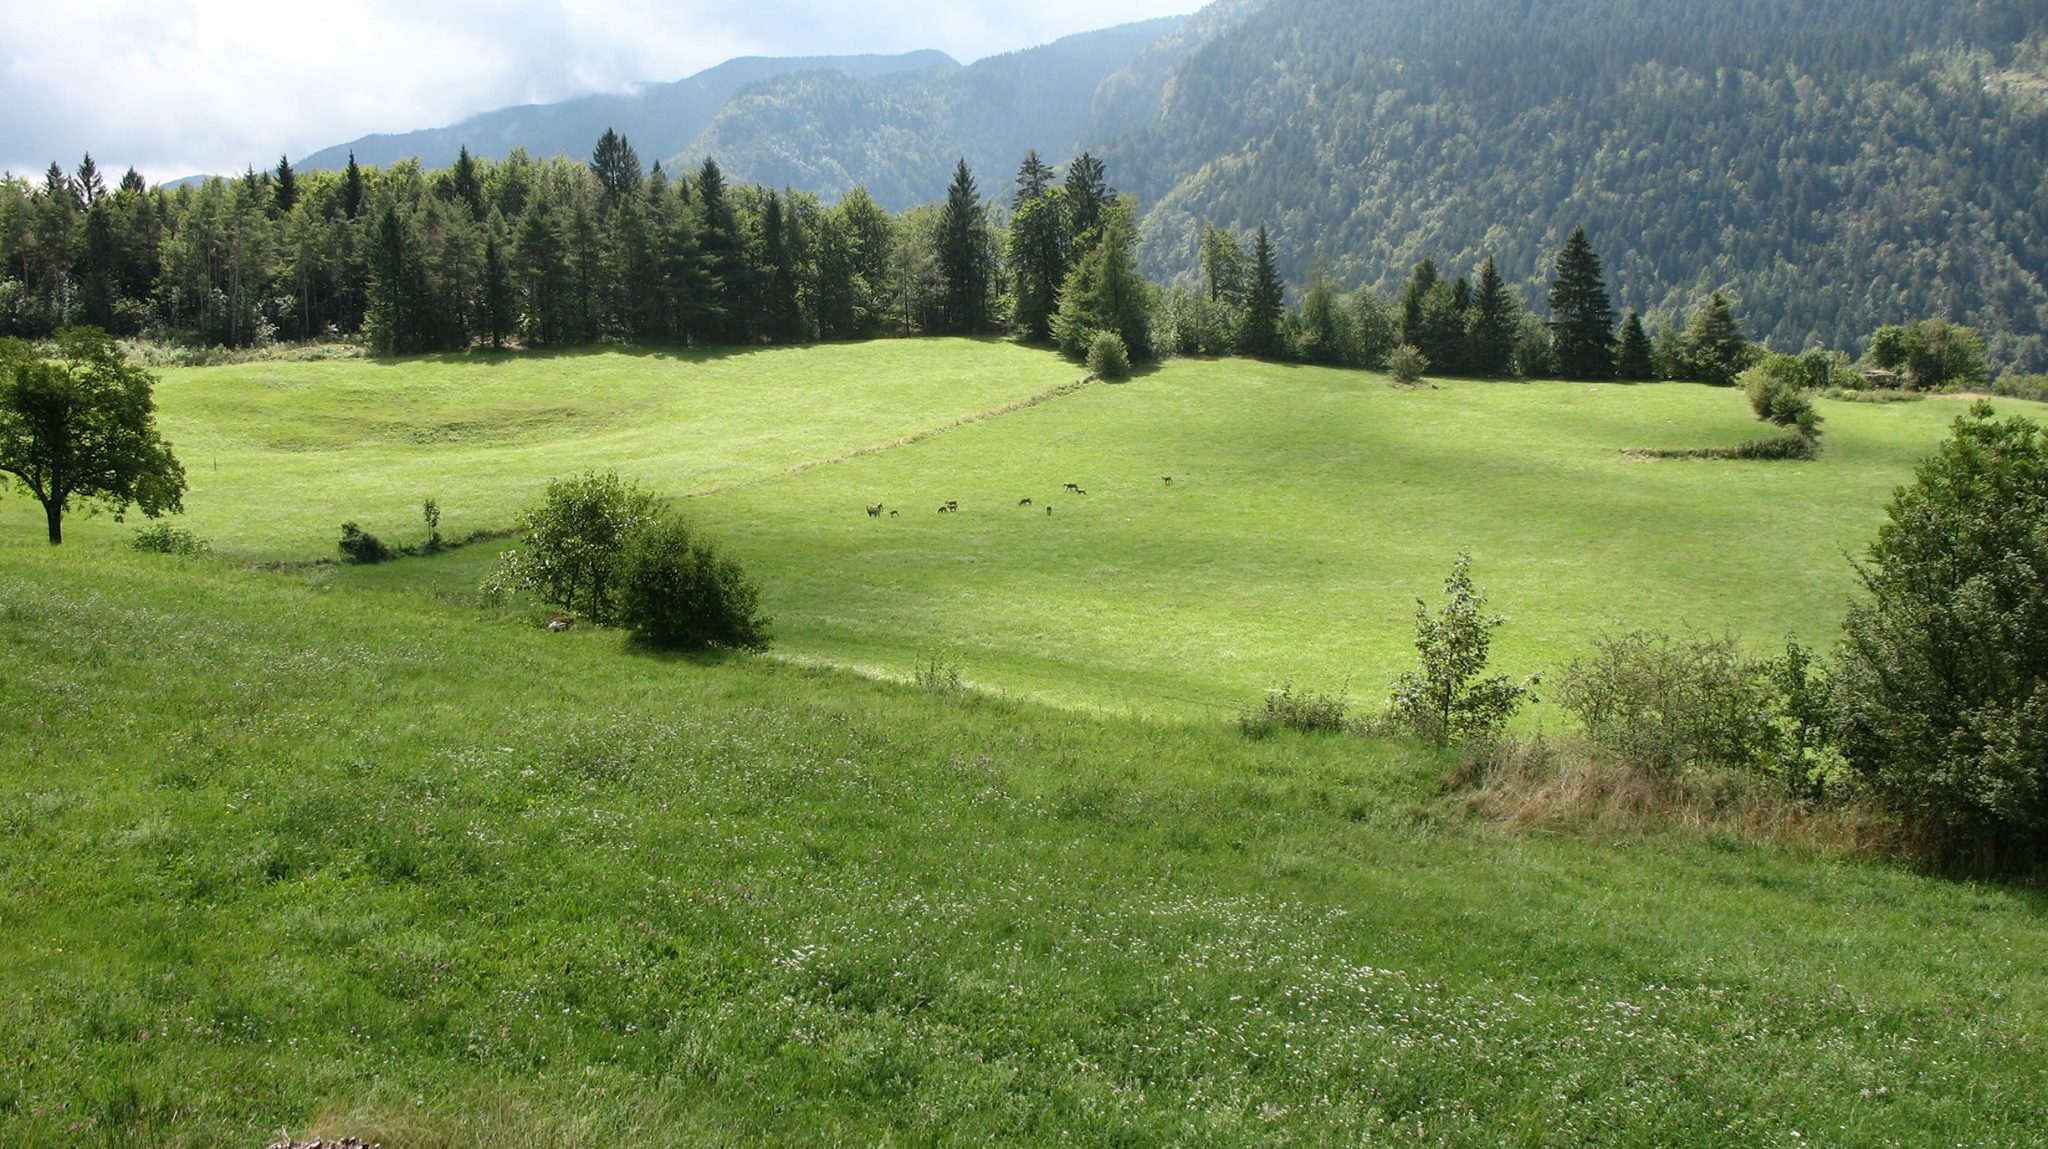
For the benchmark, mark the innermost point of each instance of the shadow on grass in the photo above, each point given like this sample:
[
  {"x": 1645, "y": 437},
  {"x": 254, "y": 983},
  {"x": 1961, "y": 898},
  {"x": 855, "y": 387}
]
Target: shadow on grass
[{"x": 680, "y": 353}]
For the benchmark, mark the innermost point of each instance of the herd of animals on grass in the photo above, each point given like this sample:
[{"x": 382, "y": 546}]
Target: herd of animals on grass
[{"x": 1951, "y": 753}]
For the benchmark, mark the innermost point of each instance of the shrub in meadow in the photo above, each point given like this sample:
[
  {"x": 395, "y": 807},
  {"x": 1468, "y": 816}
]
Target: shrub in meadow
[
  {"x": 360, "y": 546},
  {"x": 572, "y": 544},
  {"x": 674, "y": 590},
  {"x": 165, "y": 539},
  {"x": 1108, "y": 358},
  {"x": 1406, "y": 364},
  {"x": 1449, "y": 697},
  {"x": 1942, "y": 678}
]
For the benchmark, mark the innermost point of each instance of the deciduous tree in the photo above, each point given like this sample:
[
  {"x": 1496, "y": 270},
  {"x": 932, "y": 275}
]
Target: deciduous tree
[{"x": 82, "y": 430}]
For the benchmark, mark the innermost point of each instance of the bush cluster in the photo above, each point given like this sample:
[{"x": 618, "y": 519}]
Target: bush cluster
[
  {"x": 674, "y": 590},
  {"x": 360, "y": 546},
  {"x": 164, "y": 539},
  {"x": 606, "y": 549},
  {"x": 1108, "y": 358},
  {"x": 1311, "y": 712}
]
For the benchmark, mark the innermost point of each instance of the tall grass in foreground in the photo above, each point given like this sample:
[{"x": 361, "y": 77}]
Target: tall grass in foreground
[{"x": 276, "y": 855}]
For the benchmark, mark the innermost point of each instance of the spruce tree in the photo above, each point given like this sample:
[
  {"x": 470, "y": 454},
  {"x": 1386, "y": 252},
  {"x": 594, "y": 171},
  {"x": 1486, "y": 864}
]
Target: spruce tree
[
  {"x": 1420, "y": 282},
  {"x": 1581, "y": 317},
  {"x": 285, "y": 189},
  {"x": 1632, "y": 356},
  {"x": 617, "y": 167},
  {"x": 469, "y": 188},
  {"x": 352, "y": 189},
  {"x": 1493, "y": 325},
  {"x": 1263, "y": 301},
  {"x": 964, "y": 256},
  {"x": 784, "y": 320},
  {"x": 1104, "y": 292},
  {"x": 1713, "y": 349},
  {"x": 497, "y": 301},
  {"x": 91, "y": 186},
  {"x": 1222, "y": 265},
  {"x": 1033, "y": 178},
  {"x": 1038, "y": 261},
  {"x": 1088, "y": 192}
]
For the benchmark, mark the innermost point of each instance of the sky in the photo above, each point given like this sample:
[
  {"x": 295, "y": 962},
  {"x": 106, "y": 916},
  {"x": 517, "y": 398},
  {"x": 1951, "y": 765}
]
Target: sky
[{"x": 181, "y": 87}]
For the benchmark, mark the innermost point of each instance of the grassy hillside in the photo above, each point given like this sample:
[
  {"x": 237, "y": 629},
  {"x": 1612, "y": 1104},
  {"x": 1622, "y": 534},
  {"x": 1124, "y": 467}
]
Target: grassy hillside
[
  {"x": 287, "y": 856},
  {"x": 1308, "y": 510}
]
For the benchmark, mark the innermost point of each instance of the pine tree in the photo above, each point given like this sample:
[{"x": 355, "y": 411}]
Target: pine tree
[
  {"x": 1713, "y": 349},
  {"x": 399, "y": 314},
  {"x": 543, "y": 275},
  {"x": 1581, "y": 317},
  {"x": 1222, "y": 265},
  {"x": 1492, "y": 325},
  {"x": 285, "y": 189},
  {"x": 617, "y": 167},
  {"x": 723, "y": 314},
  {"x": 1088, "y": 192},
  {"x": 964, "y": 256},
  {"x": 1033, "y": 178},
  {"x": 469, "y": 188},
  {"x": 497, "y": 301},
  {"x": 91, "y": 187},
  {"x": 1104, "y": 292},
  {"x": 784, "y": 318},
  {"x": 352, "y": 189},
  {"x": 1632, "y": 356},
  {"x": 1421, "y": 282},
  {"x": 1264, "y": 298}
]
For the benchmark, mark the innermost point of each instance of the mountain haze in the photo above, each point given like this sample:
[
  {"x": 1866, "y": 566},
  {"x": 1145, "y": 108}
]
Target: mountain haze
[{"x": 899, "y": 135}]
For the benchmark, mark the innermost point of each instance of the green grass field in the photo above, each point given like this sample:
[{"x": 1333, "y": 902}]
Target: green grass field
[
  {"x": 334, "y": 851},
  {"x": 1308, "y": 510},
  {"x": 285, "y": 856}
]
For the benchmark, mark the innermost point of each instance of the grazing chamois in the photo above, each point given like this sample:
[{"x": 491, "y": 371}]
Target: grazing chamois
[
  {"x": 875, "y": 512},
  {"x": 1080, "y": 490},
  {"x": 952, "y": 504},
  {"x": 944, "y": 509},
  {"x": 1167, "y": 479},
  {"x": 1025, "y": 501},
  {"x": 893, "y": 514},
  {"x": 1048, "y": 508},
  {"x": 1073, "y": 486}
]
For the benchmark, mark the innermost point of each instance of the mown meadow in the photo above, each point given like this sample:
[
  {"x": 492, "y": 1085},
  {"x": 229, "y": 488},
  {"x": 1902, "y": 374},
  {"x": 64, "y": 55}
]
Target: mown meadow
[
  {"x": 1308, "y": 508},
  {"x": 344, "y": 851}
]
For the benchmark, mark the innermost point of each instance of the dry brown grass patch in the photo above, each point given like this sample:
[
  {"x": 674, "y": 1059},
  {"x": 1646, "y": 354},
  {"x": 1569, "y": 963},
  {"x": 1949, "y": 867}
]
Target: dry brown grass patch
[{"x": 1558, "y": 784}]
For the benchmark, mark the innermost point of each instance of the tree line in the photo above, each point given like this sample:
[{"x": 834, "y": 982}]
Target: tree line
[{"x": 561, "y": 253}]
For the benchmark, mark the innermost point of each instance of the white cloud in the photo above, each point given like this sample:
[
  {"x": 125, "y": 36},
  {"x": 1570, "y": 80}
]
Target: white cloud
[{"x": 181, "y": 86}]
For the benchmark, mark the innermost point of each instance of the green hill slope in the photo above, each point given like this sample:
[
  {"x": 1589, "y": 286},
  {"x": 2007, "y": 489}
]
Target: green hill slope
[
  {"x": 1309, "y": 508},
  {"x": 348, "y": 862}
]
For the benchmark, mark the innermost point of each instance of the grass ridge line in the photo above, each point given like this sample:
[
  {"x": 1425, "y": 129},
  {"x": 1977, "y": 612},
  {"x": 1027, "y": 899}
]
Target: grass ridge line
[{"x": 911, "y": 439}]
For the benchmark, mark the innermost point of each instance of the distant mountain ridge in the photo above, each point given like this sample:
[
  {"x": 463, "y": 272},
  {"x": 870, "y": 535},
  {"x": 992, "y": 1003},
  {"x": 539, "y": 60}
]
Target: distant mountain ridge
[
  {"x": 899, "y": 135},
  {"x": 658, "y": 118},
  {"x": 1831, "y": 165}
]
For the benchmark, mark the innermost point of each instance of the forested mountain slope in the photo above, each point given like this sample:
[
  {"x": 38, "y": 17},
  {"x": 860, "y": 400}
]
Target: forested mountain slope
[
  {"x": 1834, "y": 164},
  {"x": 661, "y": 117},
  {"x": 828, "y": 131}
]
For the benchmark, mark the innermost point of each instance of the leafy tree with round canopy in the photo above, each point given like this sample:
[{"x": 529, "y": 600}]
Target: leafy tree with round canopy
[
  {"x": 81, "y": 430},
  {"x": 1942, "y": 679}
]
